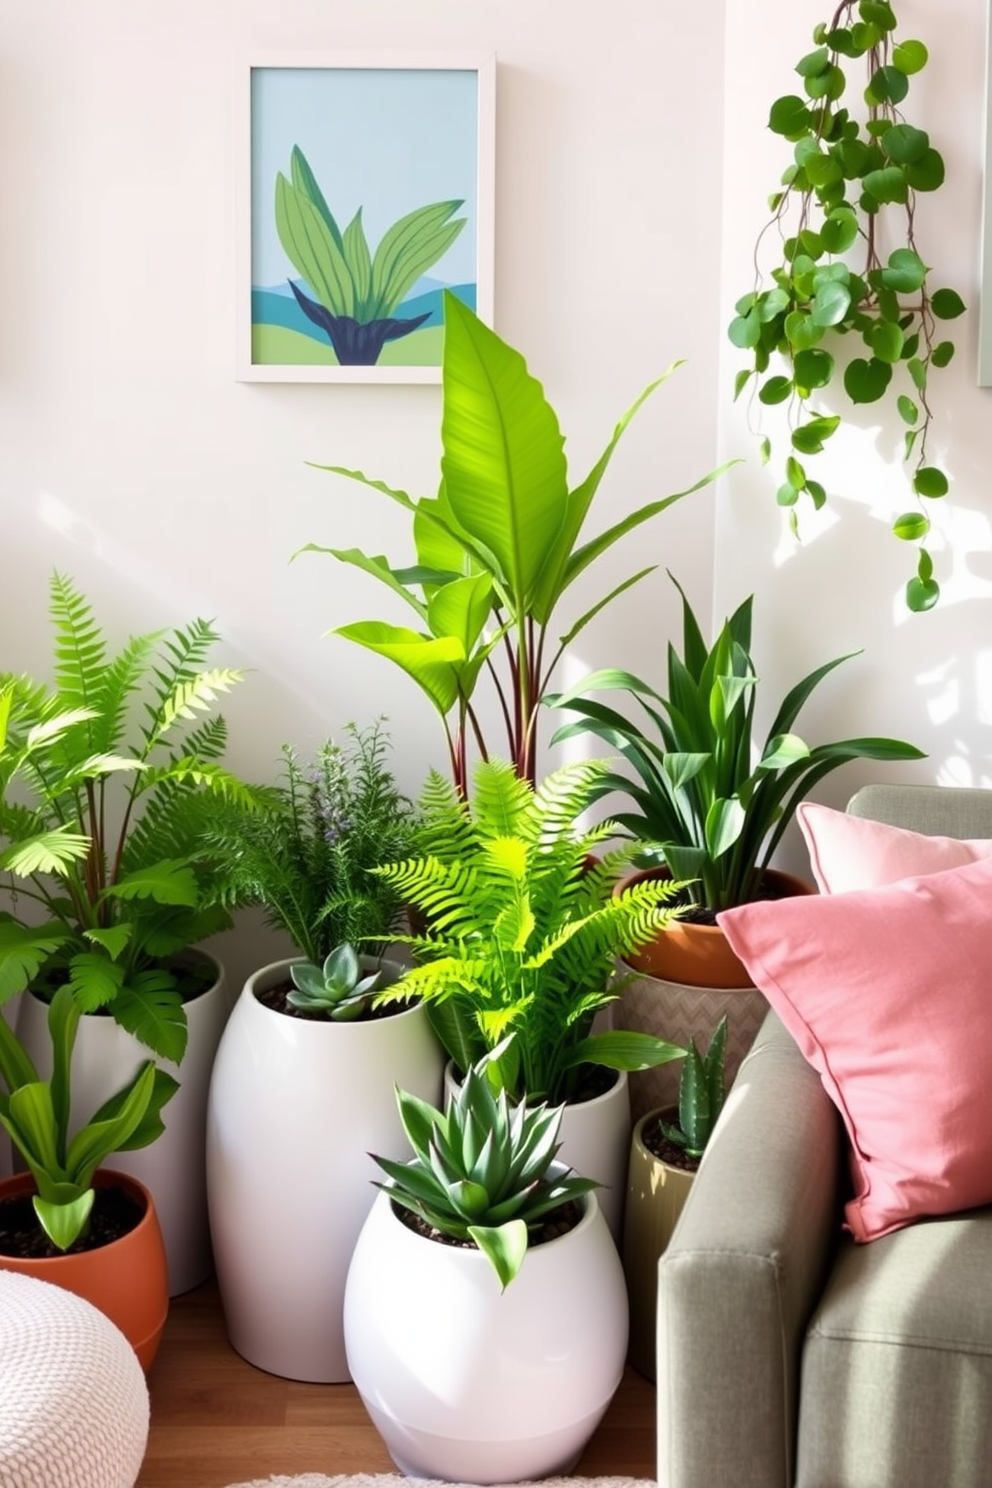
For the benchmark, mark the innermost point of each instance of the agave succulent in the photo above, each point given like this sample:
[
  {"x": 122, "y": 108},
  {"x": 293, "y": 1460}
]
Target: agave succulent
[
  {"x": 337, "y": 989},
  {"x": 701, "y": 1094},
  {"x": 482, "y": 1171}
]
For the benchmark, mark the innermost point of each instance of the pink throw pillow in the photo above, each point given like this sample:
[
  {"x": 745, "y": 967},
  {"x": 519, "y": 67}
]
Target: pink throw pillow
[
  {"x": 888, "y": 993},
  {"x": 849, "y": 852}
]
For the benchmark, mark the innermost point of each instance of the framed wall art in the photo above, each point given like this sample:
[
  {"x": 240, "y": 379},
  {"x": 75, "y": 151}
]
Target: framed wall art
[{"x": 366, "y": 189}]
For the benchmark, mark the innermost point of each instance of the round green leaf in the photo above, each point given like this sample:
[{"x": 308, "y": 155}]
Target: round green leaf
[
  {"x": 864, "y": 37},
  {"x": 839, "y": 232},
  {"x": 776, "y": 390},
  {"x": 929, "y": 481},
  {"x": 878, "y": 13},
  {"x": 908, "y": 410},
  {"x": 801, "y": 331},
  {"x": 910, "y": 57},
  {"x": 789, "y": 117},
  {"x": 772, "y": 304},
  {"x": 917, "y": 372},
  {"x": 887, "y": 341},
  {"x": 866, "y": 381},
  {"x": 827, "y": 84},
  {"x": 904, "y": 145},
  {"x": 745, "y": 331},
  {"x": 887, "y": 185},
  {"x": 905, "y": 271},
  {"x": 947, "y": 304},
  {"x": 812, "y": 369},
  {"x": 942, "y": 354},
  {"x": 812, "y": 243},
  {"x": 887, "y": 85},
  {"x": 813, "y": 62},
  {"x": 911, "y": 526},
  {"x": 818, "y": 494},
  {"x": 808, "y": 438},
  {"x": 787, "y": 495},
  {"x": 839, "y": 40},
  {"x": 831, "y": 303},
  {"x": 922, "y": 595},
  {"x": 927, "y": 173}
]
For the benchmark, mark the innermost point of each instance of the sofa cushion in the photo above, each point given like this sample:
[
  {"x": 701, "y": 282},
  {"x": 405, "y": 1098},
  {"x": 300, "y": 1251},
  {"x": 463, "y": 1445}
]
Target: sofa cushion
[
  {"x": 888, "y": 993},
  {"x": 850, "y": 852}
]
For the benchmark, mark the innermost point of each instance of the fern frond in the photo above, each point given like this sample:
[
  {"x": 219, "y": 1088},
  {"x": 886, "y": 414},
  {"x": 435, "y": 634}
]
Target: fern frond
[
  {"x": 116, "y": 687},
  {"x": 80, "y": 649},
  {"x": 194, "y": 695}
]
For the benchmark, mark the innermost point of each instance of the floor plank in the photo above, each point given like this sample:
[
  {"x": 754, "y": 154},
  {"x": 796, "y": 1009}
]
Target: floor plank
[{"x": 217, "y": 1420}]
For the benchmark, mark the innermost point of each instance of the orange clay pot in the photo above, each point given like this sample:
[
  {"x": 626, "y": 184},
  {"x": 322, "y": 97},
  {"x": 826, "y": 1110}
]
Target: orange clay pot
[
  {"x": 127, "y": 1279},
  {"x": 699, "y": 955}
]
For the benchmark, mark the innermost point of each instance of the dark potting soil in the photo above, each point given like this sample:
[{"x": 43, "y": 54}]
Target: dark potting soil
[
  {"x": 115, "y": 1213},
  {"x": 277, "y": 1000},
  {"x": 664, "y": 1149},
  {"x": 553, "y": 1225}
]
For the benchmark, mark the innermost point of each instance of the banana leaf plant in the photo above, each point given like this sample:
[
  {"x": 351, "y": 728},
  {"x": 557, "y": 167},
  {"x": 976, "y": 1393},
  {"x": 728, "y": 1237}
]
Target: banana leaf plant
[{"x": 496, "y": 549}]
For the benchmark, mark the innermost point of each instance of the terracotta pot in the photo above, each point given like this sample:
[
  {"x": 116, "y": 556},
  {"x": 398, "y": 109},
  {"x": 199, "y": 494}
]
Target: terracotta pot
[
  {"x": 656, "y": 1194},
  {"x": 127, "y": 1280}
]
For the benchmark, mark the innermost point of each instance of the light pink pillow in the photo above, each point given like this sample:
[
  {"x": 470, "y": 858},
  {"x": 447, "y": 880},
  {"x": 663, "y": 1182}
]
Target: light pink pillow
[
  {"x": 888, "y": 993},
  {"x": 847, "y": 852}
]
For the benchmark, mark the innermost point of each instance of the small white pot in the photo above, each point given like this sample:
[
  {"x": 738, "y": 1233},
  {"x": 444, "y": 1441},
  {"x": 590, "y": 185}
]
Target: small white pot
[
  {"x": 295, "y": 1108},
  {"x": 595, "y": 1141},
  {"x": 106, "y": 1056},
  {"x": 474, "y": 1385}
]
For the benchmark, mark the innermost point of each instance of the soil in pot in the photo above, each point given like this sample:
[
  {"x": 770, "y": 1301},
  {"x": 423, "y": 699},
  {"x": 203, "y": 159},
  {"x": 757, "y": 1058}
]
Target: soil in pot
[
  {"x": 551, "y": 1227},
  {"x": 115, "y": 1213}
]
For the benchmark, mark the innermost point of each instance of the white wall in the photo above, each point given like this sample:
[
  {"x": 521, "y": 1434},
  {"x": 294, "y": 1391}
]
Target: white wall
[
  {"x": 132, "y": 459},
  {"x": 927, "y": 678}
]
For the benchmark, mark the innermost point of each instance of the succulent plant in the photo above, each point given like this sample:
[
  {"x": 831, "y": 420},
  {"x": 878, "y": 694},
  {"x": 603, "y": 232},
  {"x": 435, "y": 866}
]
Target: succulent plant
[
  {"x": 337, "y": 989},
  {"x": 701, "y": 1094},
  {"x": 482, "y": 1170}
]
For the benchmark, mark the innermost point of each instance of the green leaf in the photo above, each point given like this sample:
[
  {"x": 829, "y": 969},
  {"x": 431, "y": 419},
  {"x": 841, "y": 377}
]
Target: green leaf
[
  {"x": 813, "y": 62},
  {"x": 831, "y": 304},
  {"x": 775, "y": 390},
  {"x": 931, "y": 482},
  {"x": 887, "y": 185},
  {"x": 905, "y": 271},
  {"x": 741, "y": 381},
  {"x": 802, "y": 331},
  {"x": 787, "y": 495},
  {"x": 886, "y": 85},
  {"x": 808, "y": 438},
  {"x": 821, "y": 171},
  {"x": 877, "y": 13},
  {"x": 64, "y": 1223},
  {"x": 908, "y": 410},
  {"x": 910, "y": 57},
  {"x": 911, "y": 526},
  {"x": 407, "y": 249},
  {"x": 905, "y": 145},
  {"x": 505, "y": 1248},
  {"x": 818, "y": 494},
  {"x": 917, "y": 372},
  {"x": 922, "y": 595},
  {"x": 942, "y": 354},
  {"x": 789, "y": 116},
  {"x": 795, "y": 474},
  {"x": 887, "y": 341},
  {"x": 310, "y": 246},
  {"x": 840, "y": 230},
  {"x": 927, "y": 173},
  {"x": 812, "y": 369},
  {"x": 866, "y": 381},
  {"x": 168, "y": 882},
  {"x": 744, "y": 331},
  {"x": 947, "y": 304}
]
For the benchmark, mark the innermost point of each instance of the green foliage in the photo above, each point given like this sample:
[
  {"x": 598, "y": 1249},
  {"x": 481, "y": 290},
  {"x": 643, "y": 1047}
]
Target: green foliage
[
  {"x": 851, "y": 186},
  {"x": 307, "y": 858},
  {"x": 482, "y": 1171},
  {"x": 35, "y": 1114},
  {"x": 522, "y": 928},
  {"x": 709, "y": 803},
  {"x": 496, "y": 549},
  {"x": 337, "y": 990},
  {"x": 701, "y": 1094},
  {"x": 102, "y": 789}
]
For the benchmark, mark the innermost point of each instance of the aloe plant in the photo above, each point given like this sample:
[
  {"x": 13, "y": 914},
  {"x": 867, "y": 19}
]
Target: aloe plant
[
  {"x": 35, "y": 1114},
  {"x": 356, "y": 295},
  {"x": 496, "y": 549},
  {"x": 522, "y": 928},
  {"x": 337, "y": 989},
  {"x": 482, "y": 1170},
  {"x": 701, "y": 1094},
  {"x": 103, "y": 843}
]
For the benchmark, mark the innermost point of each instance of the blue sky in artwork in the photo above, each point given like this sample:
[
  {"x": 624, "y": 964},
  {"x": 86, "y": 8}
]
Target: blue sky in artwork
[{"x": 387, "y": 140}]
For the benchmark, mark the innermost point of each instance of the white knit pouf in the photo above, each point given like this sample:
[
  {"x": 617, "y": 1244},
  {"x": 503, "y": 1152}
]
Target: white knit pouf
[{"x": 73, "y": 1398}]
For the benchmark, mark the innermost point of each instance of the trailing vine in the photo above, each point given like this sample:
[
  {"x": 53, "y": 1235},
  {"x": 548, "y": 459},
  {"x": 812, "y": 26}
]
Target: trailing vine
[{"x": 835, "y": 278}]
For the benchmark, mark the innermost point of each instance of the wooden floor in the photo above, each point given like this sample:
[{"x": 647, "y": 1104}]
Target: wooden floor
[{"x": 216, "y": 1420}]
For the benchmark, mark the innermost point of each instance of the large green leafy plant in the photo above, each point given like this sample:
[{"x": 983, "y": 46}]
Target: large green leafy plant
[
  {"x": 482, "y": 1170},
  {"x": 35, "y": 1113},
  {"x": 709, "y": 802},
  {"x": 522, "y": 928},
  {"x": 103, "y": 782},
  {"x": 495, "y": 550},
  {"x": 850, "y": 301}
]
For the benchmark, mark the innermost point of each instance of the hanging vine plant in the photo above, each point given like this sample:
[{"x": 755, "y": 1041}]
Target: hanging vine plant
[{"x": 849, "y": 265}]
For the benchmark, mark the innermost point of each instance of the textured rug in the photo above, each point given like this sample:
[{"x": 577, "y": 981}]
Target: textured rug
[{"x": 386, "y": 1480}]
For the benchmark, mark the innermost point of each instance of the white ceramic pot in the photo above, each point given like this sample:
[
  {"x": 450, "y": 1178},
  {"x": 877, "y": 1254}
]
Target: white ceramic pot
[
  {"x": 595, "y": 1141},
  {"x": 173, "y": 1168},
  {"x": 295, "y": 1108},
  {"x": 468, "y": 1383}
]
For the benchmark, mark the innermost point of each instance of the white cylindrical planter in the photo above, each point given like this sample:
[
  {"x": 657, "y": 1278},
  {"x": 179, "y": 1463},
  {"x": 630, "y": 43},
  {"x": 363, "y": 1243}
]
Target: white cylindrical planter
[
  {"x": 106, "y": 1056},
  {"x": 595, "y": 1141},
  {"x": 295, "y": 1108},
  {"x": 474, "y": 1385}
]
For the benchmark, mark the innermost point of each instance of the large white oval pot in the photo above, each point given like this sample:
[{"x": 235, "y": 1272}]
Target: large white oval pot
[
  {"x": 468, "y": 1383},
  {"x": 295, "y": 1108},
  {"x": 595, "y": 1141},
  {"x": 174, "y": 1167}
]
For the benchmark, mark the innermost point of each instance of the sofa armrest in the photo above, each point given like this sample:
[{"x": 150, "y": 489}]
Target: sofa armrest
[{"x": 742, "y": 1273}]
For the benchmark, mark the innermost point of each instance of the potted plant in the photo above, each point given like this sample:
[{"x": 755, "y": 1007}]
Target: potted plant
[
  {"x": 67, "y": 1219},
  {"x": 111, "y": 883},
  {"x": 306, "y": 1052},
  {"x": 521, "y": 930},
  {"x": 496, "y": 549},
  {"x": 665, "y": 1152},
  {"x": 846, "y": 274},
  {"x": 485, "y": 1312},
  {"x": 709, "y": 807}
]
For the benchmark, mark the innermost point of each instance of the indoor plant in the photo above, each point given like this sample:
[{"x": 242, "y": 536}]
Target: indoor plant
[
  {"x": 665, "y": 1152},
  {"x": 520, "y": 934},
  {"x": 711, "y": 805},
  {"x": 103, "y": 785},
  {"x": 847, "y": 263},
  {"x": 285, "y": 1218},
  {"x": 94, "y": 1231},
  {"x": 496, "y": 549},
  {"x": 490, "y": 1358}
]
